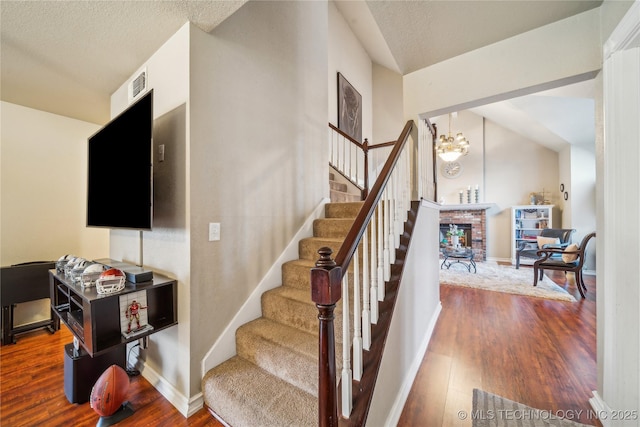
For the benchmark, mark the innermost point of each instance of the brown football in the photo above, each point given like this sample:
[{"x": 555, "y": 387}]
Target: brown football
[{"x": 110, "y": 391}]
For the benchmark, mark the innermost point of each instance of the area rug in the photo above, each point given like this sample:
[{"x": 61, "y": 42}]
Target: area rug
[
  {"x": 490, "y": 410},
  {"x": 503, "y": 278}
]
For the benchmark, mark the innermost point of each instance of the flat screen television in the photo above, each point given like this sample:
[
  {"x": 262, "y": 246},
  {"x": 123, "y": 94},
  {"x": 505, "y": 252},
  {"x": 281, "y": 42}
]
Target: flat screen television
[{"x": 120, "y": 170}]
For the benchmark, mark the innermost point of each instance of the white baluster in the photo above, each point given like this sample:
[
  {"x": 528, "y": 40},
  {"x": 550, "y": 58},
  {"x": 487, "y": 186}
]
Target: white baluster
[
  {"x": 357, "y": 334},
  {"x": 366, "y": 314},
  {"x": 346, "y": 349},
  {"x": 380, "y": 285},
  {"x": 374, "y": 268},
  {"x": 387, "y": 232}
]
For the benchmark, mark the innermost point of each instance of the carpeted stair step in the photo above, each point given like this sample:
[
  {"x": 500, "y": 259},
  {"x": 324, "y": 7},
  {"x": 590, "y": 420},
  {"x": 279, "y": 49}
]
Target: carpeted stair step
[
  {"x": 338, "y": 186},
  {"x": 243, "y": 394},
  {"x": 308, "y": 248},
  {"x": 294, "y": 307},
  {"x": 332, "y": 227},
  {"x": 342, "y": 210},
  {"x": 297, "y": 273},
  {"x": 288, "y": 353}
]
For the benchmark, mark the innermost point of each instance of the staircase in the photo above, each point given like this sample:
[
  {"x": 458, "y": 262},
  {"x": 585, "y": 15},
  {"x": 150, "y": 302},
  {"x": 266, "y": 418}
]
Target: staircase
[
  {"x": 339, "y": 191},
  {"x": 273, "y": 379}
]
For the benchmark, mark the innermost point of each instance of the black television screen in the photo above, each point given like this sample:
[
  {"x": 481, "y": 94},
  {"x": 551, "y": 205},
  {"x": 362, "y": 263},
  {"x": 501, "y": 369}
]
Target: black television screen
[{"x": 120, "y": 174}]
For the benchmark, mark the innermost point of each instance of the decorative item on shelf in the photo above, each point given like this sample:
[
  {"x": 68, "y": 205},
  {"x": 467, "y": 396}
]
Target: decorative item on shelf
[
  {"x": 454, "y": 233},
  {"x": 460, "y": 196},
  {"x": 450, "y": 148},
  {"x": 477, "y": 194},
  {"x": 134, "y": 318},
  {"x": 469, "y": 194},
  {"x": 532, "y": 198}
]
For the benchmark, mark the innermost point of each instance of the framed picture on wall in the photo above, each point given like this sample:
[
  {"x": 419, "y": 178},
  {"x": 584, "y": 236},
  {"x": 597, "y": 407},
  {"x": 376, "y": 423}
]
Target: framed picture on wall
[{"x": 349, "y": 109}]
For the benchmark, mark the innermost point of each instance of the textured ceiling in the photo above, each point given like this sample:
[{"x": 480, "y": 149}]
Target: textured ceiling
[
  {"x": 68, "y": 57},
  {"x": 422, "y": 33}
]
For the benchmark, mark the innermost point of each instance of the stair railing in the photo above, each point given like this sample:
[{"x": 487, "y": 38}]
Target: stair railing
[
  {"x": 351, "y": 158},
  {"x": 376, "y": 233}
]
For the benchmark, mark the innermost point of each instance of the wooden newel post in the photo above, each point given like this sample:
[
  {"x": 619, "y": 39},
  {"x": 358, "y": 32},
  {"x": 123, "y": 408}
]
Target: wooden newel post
[{"x": 326, "y": 291}]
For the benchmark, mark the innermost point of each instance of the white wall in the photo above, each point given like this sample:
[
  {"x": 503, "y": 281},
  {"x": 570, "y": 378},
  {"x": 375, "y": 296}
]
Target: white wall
[
  {"x": 44, "y": 181},
  {"x": 347, "y": 56},
  {"x": 521, "y": 64},
  {"x": 416, "y": 311}
]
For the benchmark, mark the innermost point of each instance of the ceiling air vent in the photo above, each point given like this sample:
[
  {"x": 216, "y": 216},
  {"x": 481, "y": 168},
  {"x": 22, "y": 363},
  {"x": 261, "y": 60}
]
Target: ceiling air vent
[{"x": 138, "y": 85}]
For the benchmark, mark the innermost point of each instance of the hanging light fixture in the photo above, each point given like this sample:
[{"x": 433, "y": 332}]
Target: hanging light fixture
[{"x": 450, "y": 148}]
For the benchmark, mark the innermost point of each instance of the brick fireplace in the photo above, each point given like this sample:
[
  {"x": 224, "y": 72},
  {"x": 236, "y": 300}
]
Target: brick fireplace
[{"x": 473, "y": 216}]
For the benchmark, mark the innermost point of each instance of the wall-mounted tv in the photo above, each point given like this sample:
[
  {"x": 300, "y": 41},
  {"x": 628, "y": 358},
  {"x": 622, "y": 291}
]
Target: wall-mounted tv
[{"x": 120, "y": 170}]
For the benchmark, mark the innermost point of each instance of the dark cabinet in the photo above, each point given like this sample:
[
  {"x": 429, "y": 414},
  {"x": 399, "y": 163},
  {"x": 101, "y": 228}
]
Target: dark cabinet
[{"x": 96, "y": 319}]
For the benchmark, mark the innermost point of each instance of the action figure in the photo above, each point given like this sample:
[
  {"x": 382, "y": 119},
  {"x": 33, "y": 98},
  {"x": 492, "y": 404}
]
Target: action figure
[{"x": 133, "y": 312}]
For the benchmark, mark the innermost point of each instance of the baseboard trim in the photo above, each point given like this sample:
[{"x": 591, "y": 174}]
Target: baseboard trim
[
  {"x": 602, "y": 410},
  {"x": 225, "y": 346},
  {"x": 186, "y": 406},
  {"x": 405, "y": 389}
]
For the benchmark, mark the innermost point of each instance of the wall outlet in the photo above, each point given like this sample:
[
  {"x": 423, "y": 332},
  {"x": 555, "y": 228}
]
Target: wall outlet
[{"x": 214, "y": 231}]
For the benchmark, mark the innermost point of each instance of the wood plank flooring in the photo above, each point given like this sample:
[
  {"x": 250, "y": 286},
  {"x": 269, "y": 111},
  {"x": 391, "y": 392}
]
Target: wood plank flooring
[
  {"x": 538, "y": 352},
  {"x": 32, "y": 390}
]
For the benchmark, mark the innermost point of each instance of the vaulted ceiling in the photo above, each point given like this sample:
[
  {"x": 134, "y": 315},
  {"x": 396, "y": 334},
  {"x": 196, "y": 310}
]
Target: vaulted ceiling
[{"x": 68, "y": 57}]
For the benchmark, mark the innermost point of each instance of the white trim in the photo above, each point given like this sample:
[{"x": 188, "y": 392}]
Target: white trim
[
  {"x": 186, "y": 406},
  {"x": 602, "y": 410},
  {"x": 626, "y": 34},
  {"x": 401, "y": 398},
  {"x": 225, "y": 346}
]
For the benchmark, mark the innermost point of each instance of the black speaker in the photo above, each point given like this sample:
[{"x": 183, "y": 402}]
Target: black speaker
[{"x": 81, "y": 371}]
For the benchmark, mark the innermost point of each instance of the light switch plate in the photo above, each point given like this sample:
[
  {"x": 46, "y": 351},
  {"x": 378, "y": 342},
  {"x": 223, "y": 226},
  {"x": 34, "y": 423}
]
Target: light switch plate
[{"x": 214, "y": 231}]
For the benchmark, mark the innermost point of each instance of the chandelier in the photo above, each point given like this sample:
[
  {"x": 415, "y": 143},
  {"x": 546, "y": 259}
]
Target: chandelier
[{"x": 450, "y": 148}]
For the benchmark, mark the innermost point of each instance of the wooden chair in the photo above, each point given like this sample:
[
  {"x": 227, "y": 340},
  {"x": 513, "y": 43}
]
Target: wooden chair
[
  {"x": 562, "y": 234},
  {"x": 564, "y": 263}
]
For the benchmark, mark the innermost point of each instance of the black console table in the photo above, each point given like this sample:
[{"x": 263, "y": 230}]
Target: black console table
[{"x": 95, "y": 319}]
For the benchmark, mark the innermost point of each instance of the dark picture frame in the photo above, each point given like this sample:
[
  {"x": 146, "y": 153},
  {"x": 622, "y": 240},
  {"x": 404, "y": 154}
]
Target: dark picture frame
[{"x": 349, "y": 109}]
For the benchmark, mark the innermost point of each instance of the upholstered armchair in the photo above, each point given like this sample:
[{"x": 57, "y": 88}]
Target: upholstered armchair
[
  {"x": 571, "y": 259},
  {"x": 563, "y": 236}
]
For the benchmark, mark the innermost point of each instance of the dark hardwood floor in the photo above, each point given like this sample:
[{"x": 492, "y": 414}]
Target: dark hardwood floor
[
  {"x": 538, "y": 352},
  {"x": 32, "y": 390}
]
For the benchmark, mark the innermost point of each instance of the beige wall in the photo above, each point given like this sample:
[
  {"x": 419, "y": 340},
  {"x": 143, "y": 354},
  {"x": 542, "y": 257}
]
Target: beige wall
[
  {"x": 252, "y": 97},
  {"x": 347, "y": 56},
  {"x": 43, "y": 193},
  {"x": 258, "y": 162}
]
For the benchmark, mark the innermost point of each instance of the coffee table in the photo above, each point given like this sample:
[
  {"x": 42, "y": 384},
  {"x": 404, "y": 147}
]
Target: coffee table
[{"x": 462, "y": 256}]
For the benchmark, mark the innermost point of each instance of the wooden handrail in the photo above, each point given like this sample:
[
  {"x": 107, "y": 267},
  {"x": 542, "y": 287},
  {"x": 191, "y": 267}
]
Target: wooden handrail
[
  {"x": 353, "y": 141},
  {"x": 326, "y": 279},
  {"x": 343, "y": 258}
]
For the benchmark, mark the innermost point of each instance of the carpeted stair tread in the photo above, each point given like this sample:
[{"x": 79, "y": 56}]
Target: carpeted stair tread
[
  {"x": 294, "y": 307},
  {"x": 338, "y": 186},
  {"x": 243, "y": 394},
  {"x": 332, "y": 227},
  {"x": 308, "y": 248},
  {"x": 289, "y": 353},
  {"x": 342, "y": 210},
  {"x": 297, "y": 273}
]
